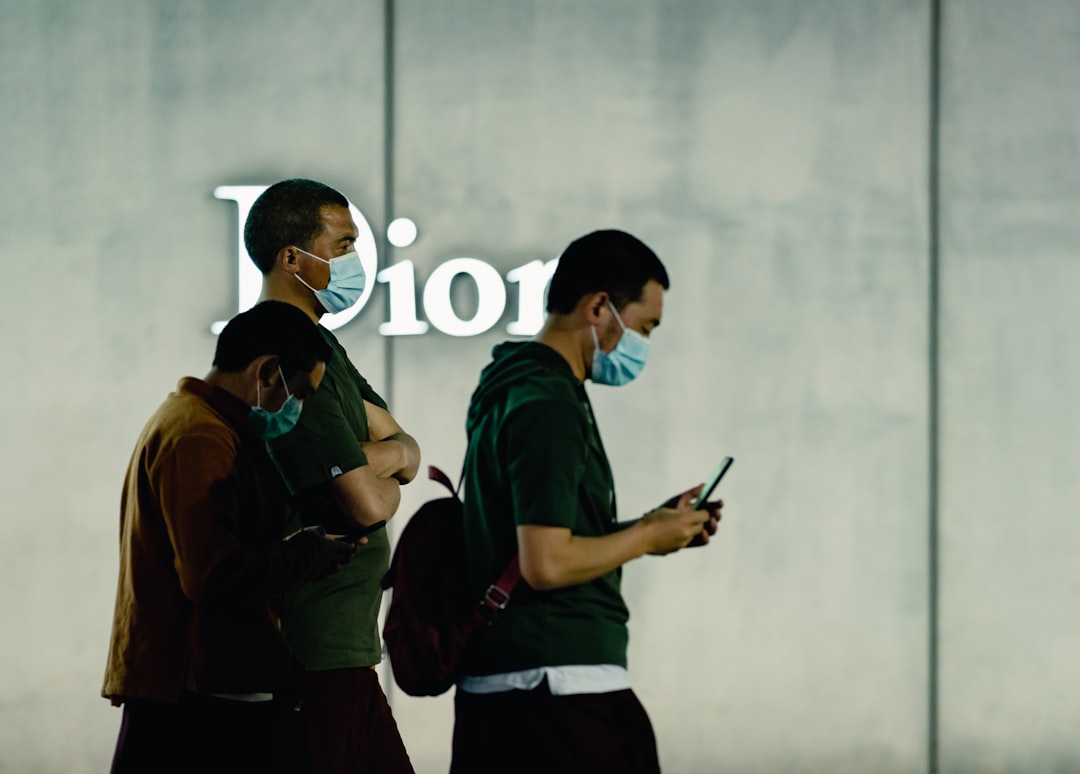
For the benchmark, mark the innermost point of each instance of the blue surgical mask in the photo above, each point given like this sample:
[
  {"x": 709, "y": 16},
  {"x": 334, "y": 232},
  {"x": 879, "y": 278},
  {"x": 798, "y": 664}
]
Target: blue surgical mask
[
  {"x": 273, "y": 424},
  {"x": 347, "y": 282},
  {"x": 624, "y": 363}
]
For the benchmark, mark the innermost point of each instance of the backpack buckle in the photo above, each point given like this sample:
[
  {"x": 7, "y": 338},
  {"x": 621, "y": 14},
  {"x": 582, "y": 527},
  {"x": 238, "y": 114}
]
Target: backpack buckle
[{"x": 495, "y": 599}]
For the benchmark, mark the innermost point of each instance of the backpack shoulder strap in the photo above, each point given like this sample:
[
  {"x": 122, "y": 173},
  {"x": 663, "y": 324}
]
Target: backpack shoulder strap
[
  {"x": 436, "y": 474},
  {"x": 497, "y": 594}
]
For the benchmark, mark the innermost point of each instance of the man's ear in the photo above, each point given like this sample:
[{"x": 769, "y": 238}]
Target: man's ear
[
  {"x": 288, "y": 259},
  {"x": 266, "y": 369},
  {"x": 593, "y": 306}
]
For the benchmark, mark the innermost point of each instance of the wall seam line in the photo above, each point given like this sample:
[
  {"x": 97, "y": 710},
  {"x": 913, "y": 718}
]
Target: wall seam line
[
  {"x": 934, "y": 358},
  {"x": 389, "y": 77}
]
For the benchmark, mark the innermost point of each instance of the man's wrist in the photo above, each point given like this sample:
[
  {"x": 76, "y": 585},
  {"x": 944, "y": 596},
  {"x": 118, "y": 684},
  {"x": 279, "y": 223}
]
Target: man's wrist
[{"x": 643, "y": 535}]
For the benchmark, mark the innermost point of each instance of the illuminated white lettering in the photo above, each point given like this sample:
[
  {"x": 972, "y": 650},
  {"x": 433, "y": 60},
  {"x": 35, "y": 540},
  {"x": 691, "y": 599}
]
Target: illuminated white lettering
[
  {"x": 401, "y": 232},
  {"x": 489, "y": 288},
  {"x": 532, "y": 279},
  {"x": 401, "y": 280}
]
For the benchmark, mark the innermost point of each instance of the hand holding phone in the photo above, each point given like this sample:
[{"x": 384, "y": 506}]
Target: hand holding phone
[
  {"x": 353, "y": 535},
  {"x": 703, "y": 498},
  {"x": 710, "y": 485}
]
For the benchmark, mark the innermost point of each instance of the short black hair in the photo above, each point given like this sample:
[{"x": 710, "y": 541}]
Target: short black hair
[
  {"x": 611, "y": 261},
  {"x": 271, "y": 328},
  {"x": 287, "y": 213}
]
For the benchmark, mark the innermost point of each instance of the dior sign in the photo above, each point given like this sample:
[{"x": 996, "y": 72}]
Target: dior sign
[{"x": 400, "y": 280}]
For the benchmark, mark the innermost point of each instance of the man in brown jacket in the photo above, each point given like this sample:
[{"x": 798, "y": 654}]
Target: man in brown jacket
[{"x": 196, "y": 655}]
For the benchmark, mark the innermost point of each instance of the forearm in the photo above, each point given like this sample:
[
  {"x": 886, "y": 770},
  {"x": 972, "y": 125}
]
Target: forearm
[
  {"x": 384, "y": 458},
  {"x": 397, "y": 456},
  {"x": 384, "y": 428},
  {"x": 365, "y": 497},
  {"x": 553, "y": 557},
  {"x": 411, "y": 453}
]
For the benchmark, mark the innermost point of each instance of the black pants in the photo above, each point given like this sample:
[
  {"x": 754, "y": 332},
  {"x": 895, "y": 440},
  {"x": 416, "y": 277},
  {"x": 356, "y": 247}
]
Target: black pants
[
  {"x": 534, "y": 732},
  {"x": 198, "y": 734},
  {"x": 349, "y": 725}
]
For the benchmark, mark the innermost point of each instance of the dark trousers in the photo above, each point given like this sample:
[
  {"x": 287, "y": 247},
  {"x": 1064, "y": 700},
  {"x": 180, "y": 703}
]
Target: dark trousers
[
  {"x": 197, "y": 734},
  {"x": 534, "y": 732},
  {"x": 349, "y": 725}
]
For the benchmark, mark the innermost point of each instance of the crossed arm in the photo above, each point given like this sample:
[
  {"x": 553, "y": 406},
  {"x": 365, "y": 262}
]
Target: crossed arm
[{"x": 372, "y": 492}]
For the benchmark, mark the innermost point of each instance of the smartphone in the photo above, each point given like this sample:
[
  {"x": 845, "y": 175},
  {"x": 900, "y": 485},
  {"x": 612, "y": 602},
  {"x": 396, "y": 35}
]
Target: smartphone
[
  {"x": 710, "y": 485},
  {"x": 355, "y": 534}
]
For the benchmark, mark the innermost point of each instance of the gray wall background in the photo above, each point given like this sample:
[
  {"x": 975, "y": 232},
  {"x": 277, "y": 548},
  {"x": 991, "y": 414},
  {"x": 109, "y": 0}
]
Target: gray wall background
[{"x": 872, "y": 310}]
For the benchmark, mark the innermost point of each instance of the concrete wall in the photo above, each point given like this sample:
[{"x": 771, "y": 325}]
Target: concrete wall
[
  {"x": 778, "y": 157},
  {"x": 1011, "y": 372}
]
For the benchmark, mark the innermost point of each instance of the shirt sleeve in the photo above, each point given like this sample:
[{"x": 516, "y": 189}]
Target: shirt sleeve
[
  {"x": 545, "y": 443},
  {"x": 323, "y": 445},
  {"x": 368, "y": 392}
]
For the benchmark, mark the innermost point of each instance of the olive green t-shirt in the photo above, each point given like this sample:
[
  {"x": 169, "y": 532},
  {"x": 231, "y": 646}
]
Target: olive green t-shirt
[
  {"x": 333, "y": 623},
  {"x": 535, "y": 457}
]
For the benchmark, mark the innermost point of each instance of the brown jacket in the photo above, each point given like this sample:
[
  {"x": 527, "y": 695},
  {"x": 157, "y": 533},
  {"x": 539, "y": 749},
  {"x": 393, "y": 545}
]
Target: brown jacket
[{"x": 201, "y": 555}]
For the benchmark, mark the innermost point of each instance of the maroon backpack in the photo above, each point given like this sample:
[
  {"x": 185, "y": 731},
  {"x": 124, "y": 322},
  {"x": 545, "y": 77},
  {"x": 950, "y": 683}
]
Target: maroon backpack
[{"x": 432, "y": 614}]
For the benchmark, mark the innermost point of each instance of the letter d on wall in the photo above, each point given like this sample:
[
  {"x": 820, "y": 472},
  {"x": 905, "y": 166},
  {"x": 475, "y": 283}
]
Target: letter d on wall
[{"x": 249, "y": 279}]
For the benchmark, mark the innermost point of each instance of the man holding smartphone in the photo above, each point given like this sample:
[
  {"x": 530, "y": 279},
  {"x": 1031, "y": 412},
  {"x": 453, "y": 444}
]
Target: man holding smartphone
[
  {"x": 196, "y": 656},
  {"x": 546, "y": 687}
]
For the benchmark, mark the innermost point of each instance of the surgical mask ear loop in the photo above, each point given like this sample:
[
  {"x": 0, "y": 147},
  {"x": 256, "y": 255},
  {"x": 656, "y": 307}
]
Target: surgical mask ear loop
[
  {"x": 316, "y": 257},
  {"x": 297, "y": 275},
  {"x": 284, "y": 383},
  {"x": 258, "y": 387},
  {"x": 618, "y": 317},
  {"x": 596, "y": 337}
]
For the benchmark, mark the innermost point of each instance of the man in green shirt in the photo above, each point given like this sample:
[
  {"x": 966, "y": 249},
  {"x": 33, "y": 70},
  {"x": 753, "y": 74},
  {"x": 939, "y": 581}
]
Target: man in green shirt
[
  {"x": 546, "y": 687},
  {"x": 344, "y": 463}
]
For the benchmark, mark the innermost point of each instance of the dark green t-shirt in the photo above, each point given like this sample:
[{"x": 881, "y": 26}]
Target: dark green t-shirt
[
  {"x": 535, "y": 457},
  {"x": 333, "y": 623}
]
